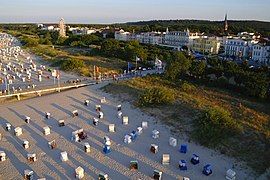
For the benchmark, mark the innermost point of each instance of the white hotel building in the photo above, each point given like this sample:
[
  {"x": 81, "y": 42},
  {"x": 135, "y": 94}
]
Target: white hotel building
[
  {"x": 239, "y": 47},
  {"x": 124, "y": 36},
  {"x": 244, "y": 45},
  {"x": 175, "y": 39},
  {"x": 154, "y": 38},
  {"x": 180, "y": 38},
  {"x": 251, "y": 48},
  {"x": 261, "y": 52}
]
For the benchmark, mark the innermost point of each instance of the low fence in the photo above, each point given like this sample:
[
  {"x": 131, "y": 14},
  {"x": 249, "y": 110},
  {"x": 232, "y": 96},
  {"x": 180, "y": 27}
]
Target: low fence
[{"x": 45, "y": 91}]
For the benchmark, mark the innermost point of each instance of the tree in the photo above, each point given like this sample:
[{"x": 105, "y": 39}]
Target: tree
[
  {"x": 231, "y": 68},
  {"x": 197, "y": 68},
  {"x": 256, "y": 84},
  {"x": 111, "y": 47},
  {"x": 178, "y": 66},
  {"x": 55, "y": 37},
  {"x": 68, "y": 41},
  {"x": 133, "y": 49},
  {"x": 216, "y": 67},
  {"x": 60, "y": 40},
  {"x": 90, "y": 39},
  {"x": 45, "y": 38}
]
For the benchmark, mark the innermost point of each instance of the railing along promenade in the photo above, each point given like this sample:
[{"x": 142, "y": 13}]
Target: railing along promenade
[{"x": 39, "y": 92}]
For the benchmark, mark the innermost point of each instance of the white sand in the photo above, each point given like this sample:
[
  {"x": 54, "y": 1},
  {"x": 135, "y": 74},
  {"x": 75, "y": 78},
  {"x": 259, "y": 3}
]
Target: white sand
[{"x": 116, "y": 163}]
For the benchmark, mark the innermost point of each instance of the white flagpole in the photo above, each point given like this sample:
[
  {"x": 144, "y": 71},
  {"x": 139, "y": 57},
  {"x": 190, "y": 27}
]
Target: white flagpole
[
  {"x": 136, "y": 62},
  {"x": 58, "y": 80}
]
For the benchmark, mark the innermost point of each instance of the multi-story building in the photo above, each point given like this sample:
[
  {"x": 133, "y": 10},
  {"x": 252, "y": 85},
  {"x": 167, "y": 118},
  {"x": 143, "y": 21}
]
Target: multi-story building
[
  {"x": 244, "y": 45},
  {"x": 82, "y": 31},
  {"x": 143, "y": 38},
  {"x": 180, "y": 38},
  {"x": 124, "y": 36},
  {"x": 154, "y": 38},
  {"x": 206, "y": 45},
  {"x": 239, "y": 47},
  {"x": 261, "y": 52}
]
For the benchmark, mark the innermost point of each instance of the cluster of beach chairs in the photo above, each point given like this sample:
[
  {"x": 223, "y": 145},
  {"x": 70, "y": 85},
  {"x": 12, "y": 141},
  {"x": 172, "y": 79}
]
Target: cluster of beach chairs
[
  {"x": 17, "y": 69},
  {"x": 80, "y": 135}
]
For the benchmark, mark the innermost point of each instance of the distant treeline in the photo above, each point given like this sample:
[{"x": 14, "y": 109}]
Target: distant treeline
[{"x": 209, "y": 27}]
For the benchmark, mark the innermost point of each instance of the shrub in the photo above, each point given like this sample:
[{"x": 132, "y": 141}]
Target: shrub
[
  {"x": 85, "y": 72},
  {"x": 256, "y": 84},
  {"x": 187, "y": 87},
  {"x": 215, "y": 125},
  {"x": 71, "y": 64},
  {"x": 51, "y": 52},
  {"x": 46, "y": 41},
  {"x": 48, "y": 51},
  {"x": 57, "y": 62},
  {"x": 29, "y": 42},
  {"x": 156, "y": 96},
  {"x": 222, "y": 82}
]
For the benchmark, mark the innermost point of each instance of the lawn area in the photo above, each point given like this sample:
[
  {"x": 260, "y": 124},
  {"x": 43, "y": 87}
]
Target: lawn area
[
  {"x": 250, "y": 142},
  {"x": 57, "y": 55}
]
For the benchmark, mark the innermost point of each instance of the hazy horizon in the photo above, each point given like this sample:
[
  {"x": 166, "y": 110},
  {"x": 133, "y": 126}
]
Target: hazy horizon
[
  {"x": 121, "y": 11},
  {"x": 57, "y": 21}
]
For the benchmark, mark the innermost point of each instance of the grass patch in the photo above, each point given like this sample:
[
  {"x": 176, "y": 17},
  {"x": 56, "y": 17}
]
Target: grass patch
[
  {"x": 60, "y": 57},
  {"x": 215, "y": 124},
  {"x": 156, "y": 96}
]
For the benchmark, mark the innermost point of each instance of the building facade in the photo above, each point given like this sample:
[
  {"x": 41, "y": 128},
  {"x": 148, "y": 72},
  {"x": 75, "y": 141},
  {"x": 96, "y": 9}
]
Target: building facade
[
  {"x": 154, "y": 38},
  {"x": 206, "y": 45},
  {"x": 124, "y": 36},
  {"x": 238, "y": 47},
  {"x": 82, "y": 31},
  {"x": 180, "y": 38},
  {"x": 49, "y": 28},
  {"x": 242, "y": 46},
  {"x": 261, "y": 53}
]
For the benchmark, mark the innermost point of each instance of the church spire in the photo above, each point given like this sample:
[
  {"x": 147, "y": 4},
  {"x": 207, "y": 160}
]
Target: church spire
[{"x": 226, "y": 23}]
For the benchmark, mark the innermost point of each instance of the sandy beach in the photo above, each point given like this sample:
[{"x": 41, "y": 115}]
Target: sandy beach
[{"x": 116, "y": 163}]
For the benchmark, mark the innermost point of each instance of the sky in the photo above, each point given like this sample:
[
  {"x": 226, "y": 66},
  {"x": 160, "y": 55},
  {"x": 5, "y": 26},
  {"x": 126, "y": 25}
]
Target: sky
[{"x": 118, "y": 11}]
